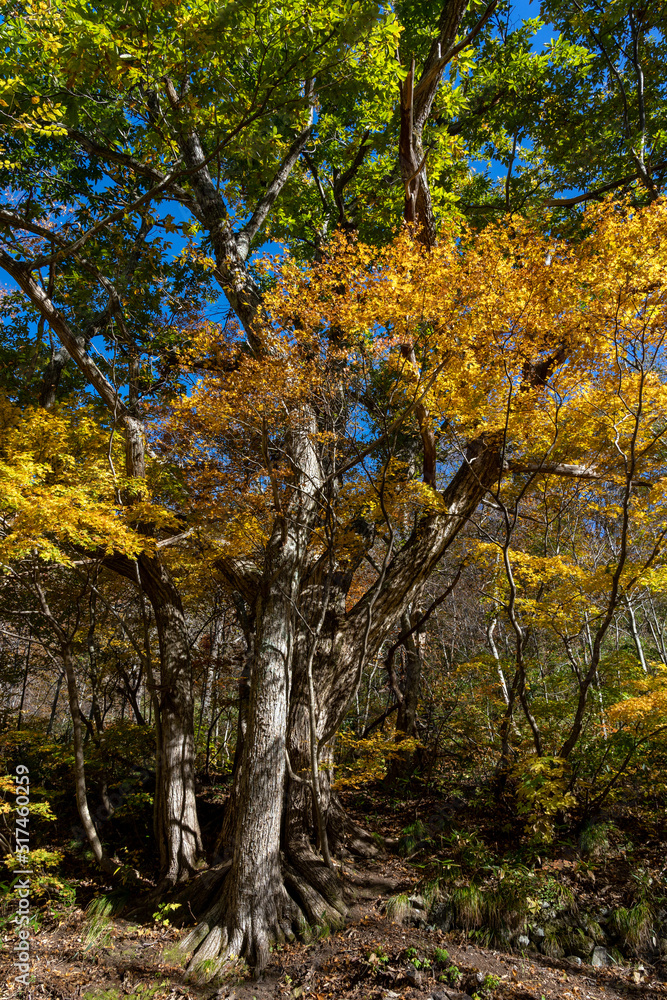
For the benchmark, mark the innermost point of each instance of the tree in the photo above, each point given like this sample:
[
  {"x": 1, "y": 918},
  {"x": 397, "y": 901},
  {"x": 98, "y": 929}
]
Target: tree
[
  {"x": 615, "y": 129},
  {"x": 276, "y": 451}
]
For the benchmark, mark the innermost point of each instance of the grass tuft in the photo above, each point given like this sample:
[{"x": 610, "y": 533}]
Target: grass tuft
[
  {"x": 398, "y": 907},
  {"x": 468, "y": 905},
  {"x": 551, "y": 946},
  {"x": 99, "y": 912},
  {"x": 634, "y": 926}
]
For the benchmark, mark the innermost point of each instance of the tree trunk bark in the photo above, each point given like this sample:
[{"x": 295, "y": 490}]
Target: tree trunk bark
[
  {"x": 276, "y": 885},
  {"x": 54, "y": 705},
  {"x": 254, "y": 902},
  {"x": 175, "y": 809},
  {"x": 269, "y": 893},
  {"x": 89, "y": 828},
  {"x": 403, "y": 764}
]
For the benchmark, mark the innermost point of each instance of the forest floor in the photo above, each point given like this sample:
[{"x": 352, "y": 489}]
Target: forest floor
[{"x": 371, "y": 958}]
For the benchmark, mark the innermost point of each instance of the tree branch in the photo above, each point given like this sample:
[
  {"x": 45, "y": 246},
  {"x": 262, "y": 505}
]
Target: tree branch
[{"x": 265, "y": 203}]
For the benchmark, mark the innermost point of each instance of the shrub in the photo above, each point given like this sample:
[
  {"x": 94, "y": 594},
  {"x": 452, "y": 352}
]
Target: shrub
[{"x": 542, "y": 793}]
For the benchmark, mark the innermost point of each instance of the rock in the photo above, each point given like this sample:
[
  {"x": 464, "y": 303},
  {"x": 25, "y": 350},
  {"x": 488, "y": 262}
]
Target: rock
[
  {"x": 601, "y": 958},
  {"x": 538, "y": 933},
  {"x": 442, "y": 916},
  {"x": 574, "y": 959},
  {"x": 579, "y": 943},
  {"x": 450, "y": 995},
  {"x": 418, "y": 902},
  {"x": 390, "y": 995},
  {"x": 523, "y": 941},
  {"x": 413, "y": 975},
  {"x": 592, "y": 928}
]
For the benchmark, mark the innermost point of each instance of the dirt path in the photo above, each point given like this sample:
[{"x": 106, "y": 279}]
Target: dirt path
[{"x": 372, "y": 958}]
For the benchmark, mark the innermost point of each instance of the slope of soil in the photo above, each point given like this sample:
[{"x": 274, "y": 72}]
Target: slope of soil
[{"x": 372, "y": 958}]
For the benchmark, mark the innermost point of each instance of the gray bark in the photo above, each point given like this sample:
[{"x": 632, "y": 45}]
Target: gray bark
[
  {"x": 106, "y": 864},
  {"x": 175, "y": 810},
  {"x": 406, "y": 719}
]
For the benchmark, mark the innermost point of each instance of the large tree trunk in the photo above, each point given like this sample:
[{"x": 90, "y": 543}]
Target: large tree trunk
[
  {"x": 254, "y": 905},
  {"x": 175, "y": 809},
  {"x": 273, "y": 888}
]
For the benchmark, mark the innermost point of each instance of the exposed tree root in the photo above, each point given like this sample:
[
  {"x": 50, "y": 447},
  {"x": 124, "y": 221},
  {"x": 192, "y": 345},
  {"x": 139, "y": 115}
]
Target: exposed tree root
[
  {"x": 343, "y": 832},
  {"x": 305, "y": 896},
  {"x": 200, "y": 893}
]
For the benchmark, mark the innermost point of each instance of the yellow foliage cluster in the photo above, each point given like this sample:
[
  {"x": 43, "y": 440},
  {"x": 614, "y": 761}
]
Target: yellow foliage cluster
[
  {"x": 646, "y": 708},
  {"x": 58, "y": 488},
  {"x": 482, "y": 306},
  {"x": 8, "y": 793},
  {"x": 366, "y": 760},
  {"x": 480, "y": 310},
  {"x": 361, "y": 338},
  {"x": 543, "y": 790}
]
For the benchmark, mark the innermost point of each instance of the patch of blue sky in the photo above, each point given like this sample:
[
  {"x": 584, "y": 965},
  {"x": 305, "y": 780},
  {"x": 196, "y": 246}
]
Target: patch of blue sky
[{"x": 521, "y": 10}]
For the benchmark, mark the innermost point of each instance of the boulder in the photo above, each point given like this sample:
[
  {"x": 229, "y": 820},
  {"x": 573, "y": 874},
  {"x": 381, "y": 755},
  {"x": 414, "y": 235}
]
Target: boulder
[
  {"x": 578, "y": 942},
  {"x": 413, "y": 975},
  {"x": 601, "y": 958}
]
